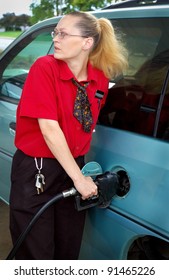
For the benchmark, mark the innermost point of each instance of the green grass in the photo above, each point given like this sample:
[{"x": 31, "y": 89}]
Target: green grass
[{"x": 10, "y": 34}]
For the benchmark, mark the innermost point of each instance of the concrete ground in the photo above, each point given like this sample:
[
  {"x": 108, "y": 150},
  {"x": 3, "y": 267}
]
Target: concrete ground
[{"x": 5, "y": 239}]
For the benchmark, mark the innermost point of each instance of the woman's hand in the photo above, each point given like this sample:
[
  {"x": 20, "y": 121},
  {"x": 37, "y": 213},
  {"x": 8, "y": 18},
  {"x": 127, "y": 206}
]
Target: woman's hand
[{"x": 86, "y": 187}]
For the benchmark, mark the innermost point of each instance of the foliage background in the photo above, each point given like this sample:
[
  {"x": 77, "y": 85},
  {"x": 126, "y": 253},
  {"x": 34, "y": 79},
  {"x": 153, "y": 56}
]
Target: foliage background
[{"x": 50, "y": 8}]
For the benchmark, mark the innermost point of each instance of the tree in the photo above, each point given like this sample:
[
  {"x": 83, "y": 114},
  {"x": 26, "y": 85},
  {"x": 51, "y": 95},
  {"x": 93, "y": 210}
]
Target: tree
[
  {"x": 42, "y": 11},
  {"x": 12, "y": 22},
  {"x": 89, "y": 5},
  {"x": 22, "y": 20},
  {"x": 8, "y": 21}
]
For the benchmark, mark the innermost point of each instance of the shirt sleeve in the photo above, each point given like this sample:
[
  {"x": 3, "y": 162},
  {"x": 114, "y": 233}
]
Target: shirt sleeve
[{"x": 39, "y": 98}]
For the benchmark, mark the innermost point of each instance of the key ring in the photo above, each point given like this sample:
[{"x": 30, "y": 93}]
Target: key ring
[{"x": 41, "y": 164}]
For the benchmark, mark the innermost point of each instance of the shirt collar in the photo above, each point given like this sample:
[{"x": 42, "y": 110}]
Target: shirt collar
[{"x": 66, "y": 74}]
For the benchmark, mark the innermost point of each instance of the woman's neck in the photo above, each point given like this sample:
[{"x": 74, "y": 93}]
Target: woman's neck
[{"x": 79, "y": 69}]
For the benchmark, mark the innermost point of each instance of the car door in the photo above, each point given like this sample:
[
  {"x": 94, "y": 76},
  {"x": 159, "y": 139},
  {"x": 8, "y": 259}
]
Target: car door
[
  {"x": 132, "y": 138},
  {"x": 15, "y": 66}
]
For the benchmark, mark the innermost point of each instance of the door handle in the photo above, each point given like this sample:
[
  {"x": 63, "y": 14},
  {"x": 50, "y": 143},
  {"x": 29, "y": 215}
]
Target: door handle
[{"x": 12, "y": 128}]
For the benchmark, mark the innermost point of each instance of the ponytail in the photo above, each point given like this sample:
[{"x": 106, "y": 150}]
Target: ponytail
[{"x": 109, "y": 55}]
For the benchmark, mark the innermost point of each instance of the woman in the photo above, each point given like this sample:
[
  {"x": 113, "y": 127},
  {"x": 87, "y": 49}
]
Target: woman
[{"x": 53, "y": 134}]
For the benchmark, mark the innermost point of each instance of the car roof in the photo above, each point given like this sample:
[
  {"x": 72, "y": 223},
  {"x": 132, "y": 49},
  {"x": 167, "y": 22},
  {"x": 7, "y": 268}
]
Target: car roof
[{"x": 136, "y": 3}]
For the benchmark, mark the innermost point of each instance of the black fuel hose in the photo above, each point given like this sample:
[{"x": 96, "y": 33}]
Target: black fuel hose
[{"x": 23, "y": 235}]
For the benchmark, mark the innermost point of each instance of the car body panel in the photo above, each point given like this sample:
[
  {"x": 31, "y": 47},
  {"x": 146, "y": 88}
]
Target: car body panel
[
  {"x": 108, "y": 235},
  {"x": 148, "y": 174}
]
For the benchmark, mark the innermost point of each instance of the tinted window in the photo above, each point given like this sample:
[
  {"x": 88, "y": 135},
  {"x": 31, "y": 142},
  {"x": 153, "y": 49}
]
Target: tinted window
[
  {"x": 138, "y": 101},
  {"x": 19, "y": 61}
]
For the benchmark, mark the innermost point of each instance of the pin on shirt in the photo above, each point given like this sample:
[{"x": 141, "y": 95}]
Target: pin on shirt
[{"x": 99, "y": 95}]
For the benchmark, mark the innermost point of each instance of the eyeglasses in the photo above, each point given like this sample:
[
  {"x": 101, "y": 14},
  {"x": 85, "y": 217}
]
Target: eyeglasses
[{"x": 61, "y": 35}]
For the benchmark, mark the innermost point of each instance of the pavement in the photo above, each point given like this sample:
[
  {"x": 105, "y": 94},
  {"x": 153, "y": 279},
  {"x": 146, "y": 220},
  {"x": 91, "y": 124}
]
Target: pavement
[
  {"x": 4, "y": 42},
  {"x": 5, "y": 238}
]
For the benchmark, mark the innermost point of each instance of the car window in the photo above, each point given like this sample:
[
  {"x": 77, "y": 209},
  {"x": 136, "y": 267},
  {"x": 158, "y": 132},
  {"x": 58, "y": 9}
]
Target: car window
[
  {"x": 138, "y": 101},
  {"x": 19, "y": 61}
]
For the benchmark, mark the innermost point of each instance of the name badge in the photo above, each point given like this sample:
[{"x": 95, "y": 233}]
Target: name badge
[{"x": 99, "y": 94}]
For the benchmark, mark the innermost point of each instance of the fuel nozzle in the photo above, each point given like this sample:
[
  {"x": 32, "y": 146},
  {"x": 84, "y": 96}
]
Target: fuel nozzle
[{"x": 108, "y": 185}]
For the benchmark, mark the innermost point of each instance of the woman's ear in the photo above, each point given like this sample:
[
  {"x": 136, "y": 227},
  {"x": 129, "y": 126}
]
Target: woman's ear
[{"x": 88, "y": 43}]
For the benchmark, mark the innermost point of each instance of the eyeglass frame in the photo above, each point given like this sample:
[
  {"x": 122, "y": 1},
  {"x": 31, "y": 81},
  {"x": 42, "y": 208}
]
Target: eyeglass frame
[{"x": 61, "y": 34}]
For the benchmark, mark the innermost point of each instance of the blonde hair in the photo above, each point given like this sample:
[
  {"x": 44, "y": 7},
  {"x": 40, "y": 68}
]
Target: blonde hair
[{"x": 108, "y": 53}]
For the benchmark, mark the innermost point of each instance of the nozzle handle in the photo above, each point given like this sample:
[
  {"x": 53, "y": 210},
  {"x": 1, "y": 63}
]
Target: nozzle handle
[
  {"x": 87, "y": 203},
  {"x": 70, "y": 192}
]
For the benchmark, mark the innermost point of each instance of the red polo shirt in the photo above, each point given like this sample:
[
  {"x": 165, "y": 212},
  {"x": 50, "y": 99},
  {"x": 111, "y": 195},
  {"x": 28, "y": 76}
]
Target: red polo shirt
[{"x": 49, "y": 93}]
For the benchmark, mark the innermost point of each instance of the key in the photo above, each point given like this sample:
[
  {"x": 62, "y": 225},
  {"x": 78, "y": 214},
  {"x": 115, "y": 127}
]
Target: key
[{"x": 40, "y": 182}]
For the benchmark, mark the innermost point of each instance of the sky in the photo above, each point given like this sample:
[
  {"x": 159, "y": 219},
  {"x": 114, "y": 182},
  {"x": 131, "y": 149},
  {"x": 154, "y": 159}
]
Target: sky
[{"x": 16, "y": 6}]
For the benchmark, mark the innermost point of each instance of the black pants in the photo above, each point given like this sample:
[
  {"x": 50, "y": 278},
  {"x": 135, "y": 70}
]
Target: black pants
[{"x": 58, "y": 232}]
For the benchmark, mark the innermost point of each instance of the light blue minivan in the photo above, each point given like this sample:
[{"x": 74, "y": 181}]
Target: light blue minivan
[{"x": 131, "y": 137}]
